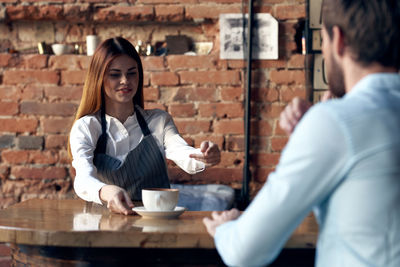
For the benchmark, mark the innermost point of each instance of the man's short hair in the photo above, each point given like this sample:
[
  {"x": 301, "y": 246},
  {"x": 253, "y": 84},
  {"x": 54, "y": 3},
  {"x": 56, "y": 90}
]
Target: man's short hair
[{"x": 371, "y": 28}]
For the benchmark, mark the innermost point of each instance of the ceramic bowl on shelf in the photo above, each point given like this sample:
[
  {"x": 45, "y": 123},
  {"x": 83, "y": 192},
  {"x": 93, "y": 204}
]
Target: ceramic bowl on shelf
[
  {"x": 203, "y": 48},
  {"x": 60, "y": 49}
]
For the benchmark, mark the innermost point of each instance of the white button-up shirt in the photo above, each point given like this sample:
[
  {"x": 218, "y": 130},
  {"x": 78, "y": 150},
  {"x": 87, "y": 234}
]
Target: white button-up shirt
[{"x": 121, "y": 139}]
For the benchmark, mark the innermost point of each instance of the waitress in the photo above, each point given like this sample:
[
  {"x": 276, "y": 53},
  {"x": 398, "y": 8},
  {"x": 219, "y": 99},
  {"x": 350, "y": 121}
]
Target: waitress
[{"x": 117, "y": 147}]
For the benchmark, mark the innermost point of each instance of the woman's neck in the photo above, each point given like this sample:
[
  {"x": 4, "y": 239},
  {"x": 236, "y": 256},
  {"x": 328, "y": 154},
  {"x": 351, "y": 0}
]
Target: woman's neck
[{"x": 120, "y": 112}]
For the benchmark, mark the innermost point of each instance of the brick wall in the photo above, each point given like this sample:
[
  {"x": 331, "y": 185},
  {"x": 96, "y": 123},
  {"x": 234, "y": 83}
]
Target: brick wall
[{"x": 40, "y": 93}]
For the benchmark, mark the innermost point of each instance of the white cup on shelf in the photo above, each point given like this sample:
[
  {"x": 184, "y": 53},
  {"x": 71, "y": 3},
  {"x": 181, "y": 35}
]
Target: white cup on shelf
[{"x": 92, "y": 41}]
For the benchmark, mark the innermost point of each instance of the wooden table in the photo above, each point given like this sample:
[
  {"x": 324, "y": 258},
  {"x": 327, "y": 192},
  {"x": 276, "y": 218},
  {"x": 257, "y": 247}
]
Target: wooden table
[{"x": 74, "y": 232}]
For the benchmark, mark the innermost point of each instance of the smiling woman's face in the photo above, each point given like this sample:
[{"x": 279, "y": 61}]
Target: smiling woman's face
[{"x": 121, "y": 82}]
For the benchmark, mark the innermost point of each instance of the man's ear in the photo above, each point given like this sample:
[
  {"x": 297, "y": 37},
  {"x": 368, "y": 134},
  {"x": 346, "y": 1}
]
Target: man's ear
[{"x": 338, "y": 42}]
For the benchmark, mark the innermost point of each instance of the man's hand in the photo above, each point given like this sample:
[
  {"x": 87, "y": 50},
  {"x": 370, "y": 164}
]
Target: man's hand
[
  {"x": 210, "y": 153},
  {"x": 219, "y": 218},
  {"x": 292, "y": 114},
  {"x": 117, "y": 199}
]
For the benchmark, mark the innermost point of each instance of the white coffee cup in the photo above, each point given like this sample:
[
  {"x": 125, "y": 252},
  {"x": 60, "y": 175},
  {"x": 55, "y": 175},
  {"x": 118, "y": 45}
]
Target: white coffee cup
[
  {"x": 92, "y": 41},
  {"x": 160, "y": 199}
]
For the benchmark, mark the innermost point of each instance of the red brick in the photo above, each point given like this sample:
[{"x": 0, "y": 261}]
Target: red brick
[
  {"x": 221, "y": 1},
  {"x": 64, "y": 157},
  {"x": 179, "y": 62},
  {"x": 266, "y": 159},
  {"x": 262, "y": 64},
  {"x": 264, "y": 95},
  {"x": 295, "y": 11},
  {"x": 153, "y": 63},
  {"x": 165, "y": 1},
  {"x": 278, "y": 143},
  {"x": 261, "y": 174},
  {"x": 287, "y": 94},
  {"x": 236, "y": 64},
  {"x": 4, "y": 59},
  {"x": 272, "y": 111},
  {"x": 42, "y": 12},
  {"x": 195, "y": 94},
  {"x": 32, "y": 92},
  {"x": 10, "y": 93},
  {"x": 4, "y": 172},
  {"x": 219, "y": 175},
  {"x": 58, "y": 109},
  {"x": 25, "y": 172},
  {"x": 169, "y": 13},
  {"x": 287, "y": 77},
  {"x": 146, "y": 78},
  {"x": 73, "y": 77},
  {"x": 43, "y": 157},
  {"x": 164, "y": 78},
  {"x": 259, "y": 78},
  {"x": 30, "y": 76},
  {"x": 56, "y": 141},
  {"x": 210, "y": 77},
  {"x": 230, "y": 159},
  {"x": 216, "y": 139},
  {"x": 235, "y": 143},
  {"x": 35, "y": 61},
  {"x": 8, "y": 108},
  {"x": 151, "y": 94},
  {"x": 63, "y": 92},
  {"x": 229, "y": 127},
  {"x": 296, "y": 61},
  {"x": 288, "y": 28},
  {"x": 5, "y": 250},
  {"x": 221, "y": 110},
  {"x": 125, "y": 13},
  {"x": 210, "y": 11},
  {"x": 177, "y": 175},
  {"x": 232, "y": 94},
  {"x": 6, "y": 202},
  {"x": 76, "y": 12},
  {"x": 182, "y": 110},
  {"x": 152, "y": 105},
  {"x": 192, "y": 127},
  {"x": 261, "y": 128},
  {"x": 56, "y": 125},
  {"x": 15, "y": 156},
  {"x": 18, "y": 125},
  {"x": 68, "y": 62},
  {"x": 259, "y": 143}
]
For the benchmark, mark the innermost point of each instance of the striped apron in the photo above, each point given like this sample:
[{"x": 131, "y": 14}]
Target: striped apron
[{"x": 143, "y": 167}]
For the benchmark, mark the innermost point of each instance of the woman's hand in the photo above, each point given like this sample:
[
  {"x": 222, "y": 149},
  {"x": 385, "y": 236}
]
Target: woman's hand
[
  {"x": 210, "y": 153},
  {"x": 219, "y": 218},
  {"x": 117, "y": 199}
]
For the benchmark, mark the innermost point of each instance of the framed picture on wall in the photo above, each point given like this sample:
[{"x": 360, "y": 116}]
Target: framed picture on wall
[{"x": 233, "y": 34}]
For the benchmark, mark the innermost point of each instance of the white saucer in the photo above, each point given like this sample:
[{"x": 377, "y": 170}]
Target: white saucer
[{"x": 159, "y": 214}]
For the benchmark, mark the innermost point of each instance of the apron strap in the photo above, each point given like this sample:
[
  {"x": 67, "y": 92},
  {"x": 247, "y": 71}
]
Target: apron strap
[
  {"x": 102, "y": 142},
  {"x": 142, "y": 123}
]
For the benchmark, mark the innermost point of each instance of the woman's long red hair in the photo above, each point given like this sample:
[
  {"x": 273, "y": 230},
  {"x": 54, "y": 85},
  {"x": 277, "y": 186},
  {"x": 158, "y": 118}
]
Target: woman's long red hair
[{"x": 93, "y": 87}]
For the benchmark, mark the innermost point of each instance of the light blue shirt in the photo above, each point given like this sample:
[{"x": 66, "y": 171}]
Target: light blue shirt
[{"x": 343, "y": 162}]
